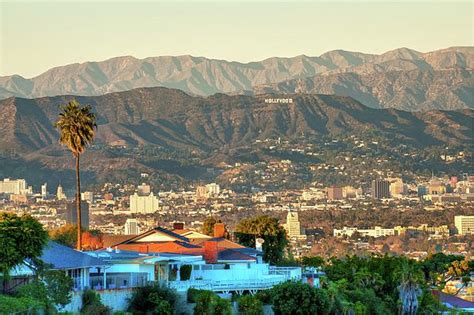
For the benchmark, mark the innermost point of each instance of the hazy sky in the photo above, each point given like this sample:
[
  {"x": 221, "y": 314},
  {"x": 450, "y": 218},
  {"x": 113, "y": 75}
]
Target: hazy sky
[{"x": 35, "y": 36}]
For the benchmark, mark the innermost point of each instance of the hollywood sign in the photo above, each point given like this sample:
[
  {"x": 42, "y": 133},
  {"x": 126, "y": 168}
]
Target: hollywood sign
[{"x": 278, "y": 100}]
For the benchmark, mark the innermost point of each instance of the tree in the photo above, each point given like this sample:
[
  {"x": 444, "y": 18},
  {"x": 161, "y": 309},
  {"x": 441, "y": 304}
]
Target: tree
[
  {"x": 76, "y": 126},
  {"x": 250, "y": 305},
  {"x": 208, "y": 226},
  {"x": 65, "y": 235},
  {"x": 22, "y": 239},
  {"x": 268, "y": 228},
  {"x": 299, "y": 298},
  {"x": 409, "y": 288}
]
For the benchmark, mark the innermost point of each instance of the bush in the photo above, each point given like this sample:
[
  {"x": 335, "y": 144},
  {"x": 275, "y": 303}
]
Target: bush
[
  {"x": 92, "y": 305},
  {"x": 11, "y": 304},
  {"x": 154, "y": 299},
  {"x": 185, "y": 272},
  {"x": 265, "y": 296},
  {"x": 193, "y": 294},
  {"x": 299, "y": 298},
  {"x": 250, "y": 305},
  {"x": 209, "y": 303}
]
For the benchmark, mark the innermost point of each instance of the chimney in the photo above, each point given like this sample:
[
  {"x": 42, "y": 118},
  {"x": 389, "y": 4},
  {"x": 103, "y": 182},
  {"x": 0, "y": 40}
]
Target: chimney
[
  {"x": 178, "y": 226},
  {"x": 211, "y": 251},
  {"x": 219, "y": 230}
]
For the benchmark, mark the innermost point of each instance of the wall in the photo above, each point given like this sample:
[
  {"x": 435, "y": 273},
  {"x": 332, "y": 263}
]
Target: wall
[{"x": 116, "y": 299}]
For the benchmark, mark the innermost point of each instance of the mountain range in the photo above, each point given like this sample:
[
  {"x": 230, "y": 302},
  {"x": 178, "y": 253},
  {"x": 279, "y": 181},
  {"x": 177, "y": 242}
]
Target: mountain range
[
  {"x": 173, "y": 119},
  {"x": 402, "y": 78}
]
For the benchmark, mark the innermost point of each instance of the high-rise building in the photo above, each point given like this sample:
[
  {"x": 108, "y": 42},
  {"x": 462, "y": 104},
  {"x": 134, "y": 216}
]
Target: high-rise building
[
  {"x": 292, "y": 226},
  {"x": 380, "y": 189},
  {"x": 71, "y": 214},
  {"x": 213, "y": 189},
  {"x": 143, "y": 204},
  {"x": 60, "y": 195},
  {"x": 464, "y": 224},
  {"x": 44, "y": 190},
  {"x": 13, "y": 186},
  {"x": 335, "y": 193},
  {"x": 131, "y": 227}
]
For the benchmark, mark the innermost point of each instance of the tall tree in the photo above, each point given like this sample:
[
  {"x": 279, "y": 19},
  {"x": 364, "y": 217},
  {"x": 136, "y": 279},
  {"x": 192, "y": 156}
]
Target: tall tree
[
  {"x": 409, "y": 288},
  {"x": 77, "y": 127},
  {"x": 270, "y": 230}
]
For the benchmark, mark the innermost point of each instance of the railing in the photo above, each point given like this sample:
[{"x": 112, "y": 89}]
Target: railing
[
  {"x": 228, "y": 285},
  {"x": 290, "y": 273}
]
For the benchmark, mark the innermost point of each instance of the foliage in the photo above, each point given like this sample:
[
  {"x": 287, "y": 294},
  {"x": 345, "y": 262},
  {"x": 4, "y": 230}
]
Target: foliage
[
  {"x": 267, "y": 228},
  {"x": 21, "y": 238},
  {"x": 209, "y": 303},
  {"x": 65, "y": 235},
  {"x": 208, "y": 226},
  {"x": 250, "y": 305},
  {"x": 152, "y": 298},
  {"x": 185, "y": 272},
  {"x": 299, "y": 298},
  {"x": 12, "y": 304},
  {"x": 92, "y": 305},
  {"x": 312, "y": 261}
]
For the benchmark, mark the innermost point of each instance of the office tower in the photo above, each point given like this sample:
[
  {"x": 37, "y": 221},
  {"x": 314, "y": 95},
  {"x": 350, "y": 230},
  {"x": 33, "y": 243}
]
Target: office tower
[
  {"x": 143, "y": 204},
  {"x": 464, "y": 224},
  {"x": 60, "y": 195},
  {"x": 44, "y": 190},
  {"x": 71, "y": 214},
  {"x": 380, "y": 189},
  {"x": 131, "y": 227},
  {"x": 292, "y": 226},
  {"x": 13, "y": 186}
]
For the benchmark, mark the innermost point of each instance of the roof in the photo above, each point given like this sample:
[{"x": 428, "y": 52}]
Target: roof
[
  {"x": 63, "y": 257},
  {"x": 152, "y": 231},
  {"x": 231, "y": 254},
  {"x": 109, "y": 240},
  {"x": 453, "y": 301},
  {"x": 223, "y": 242}
]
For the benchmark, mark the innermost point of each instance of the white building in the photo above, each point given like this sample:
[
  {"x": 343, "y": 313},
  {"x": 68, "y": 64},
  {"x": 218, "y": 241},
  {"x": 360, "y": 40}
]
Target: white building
[
  {"x": 131, "y": 227},
  {"x": 213, "y": 189},
  {"x": 143, "y": 204},
  {"x": 13, "y": 186},
  {"x": 375, "y": 232},
  {"x": 60, "y": 195},
  {"x": 44, "y": 190},
  {"x": 87, "y": 196},
  {"x": 464, "y": 224},
  {"x": 292, "y": 226}
]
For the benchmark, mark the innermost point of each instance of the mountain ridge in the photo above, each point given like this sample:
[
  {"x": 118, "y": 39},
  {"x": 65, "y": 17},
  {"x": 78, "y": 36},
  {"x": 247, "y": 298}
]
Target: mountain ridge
[{"x": 203, "y": 76}]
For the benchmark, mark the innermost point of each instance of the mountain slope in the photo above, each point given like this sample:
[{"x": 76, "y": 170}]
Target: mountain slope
[
  {"x": 170, "y": 118},
  {"x": 202, "y": 76}
]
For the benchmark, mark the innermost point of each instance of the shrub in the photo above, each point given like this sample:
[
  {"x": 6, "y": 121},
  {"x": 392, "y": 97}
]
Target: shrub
[
  {"x": 22, "y": 304},
  {"x": 265, "y": 296},
  {"x": 153, "y": 299},
  {"x": 299, "y": 298},
  {"x": 193, "y": 294},
  {"x": 185, "y": 272},
  {"x": 209, "y": 303},
  {"x": 92, "y": 305},
  {"x": 250, "y": 305}
]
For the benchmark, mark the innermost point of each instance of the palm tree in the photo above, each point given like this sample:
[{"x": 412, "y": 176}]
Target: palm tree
[
  {"x": 409, "y": 288},
  {"x": 76, "y": 126}
]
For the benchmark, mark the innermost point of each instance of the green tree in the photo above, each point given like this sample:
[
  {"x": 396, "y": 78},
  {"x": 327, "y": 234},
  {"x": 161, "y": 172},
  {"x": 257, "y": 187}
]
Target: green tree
[
  {"x": 154, "y": 299},
  {"x": 299, "y": 298},
  {"x": 312, "y": 261},
  {"x": 65, "y": 235},
  {"x": 267, "y": 228},
  {"x": 76, "y": 126},
  {"x": 208, "y": 226},
  {"x": 409, "y": 288},
  {"x": 22, "y": 239}
]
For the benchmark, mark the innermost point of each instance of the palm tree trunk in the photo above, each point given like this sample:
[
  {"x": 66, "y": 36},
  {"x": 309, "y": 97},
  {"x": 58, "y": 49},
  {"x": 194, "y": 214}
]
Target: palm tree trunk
[{"x": 78, "y": 205}]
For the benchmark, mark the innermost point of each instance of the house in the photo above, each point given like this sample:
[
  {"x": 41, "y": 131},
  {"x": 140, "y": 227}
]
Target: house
[
  {"x": 200, "y": 261},
  {"x": 74, "y": 263}
]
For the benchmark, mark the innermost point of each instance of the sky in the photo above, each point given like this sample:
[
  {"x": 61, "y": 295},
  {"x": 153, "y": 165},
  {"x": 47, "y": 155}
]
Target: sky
[{"x": 36, "y": 35}]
